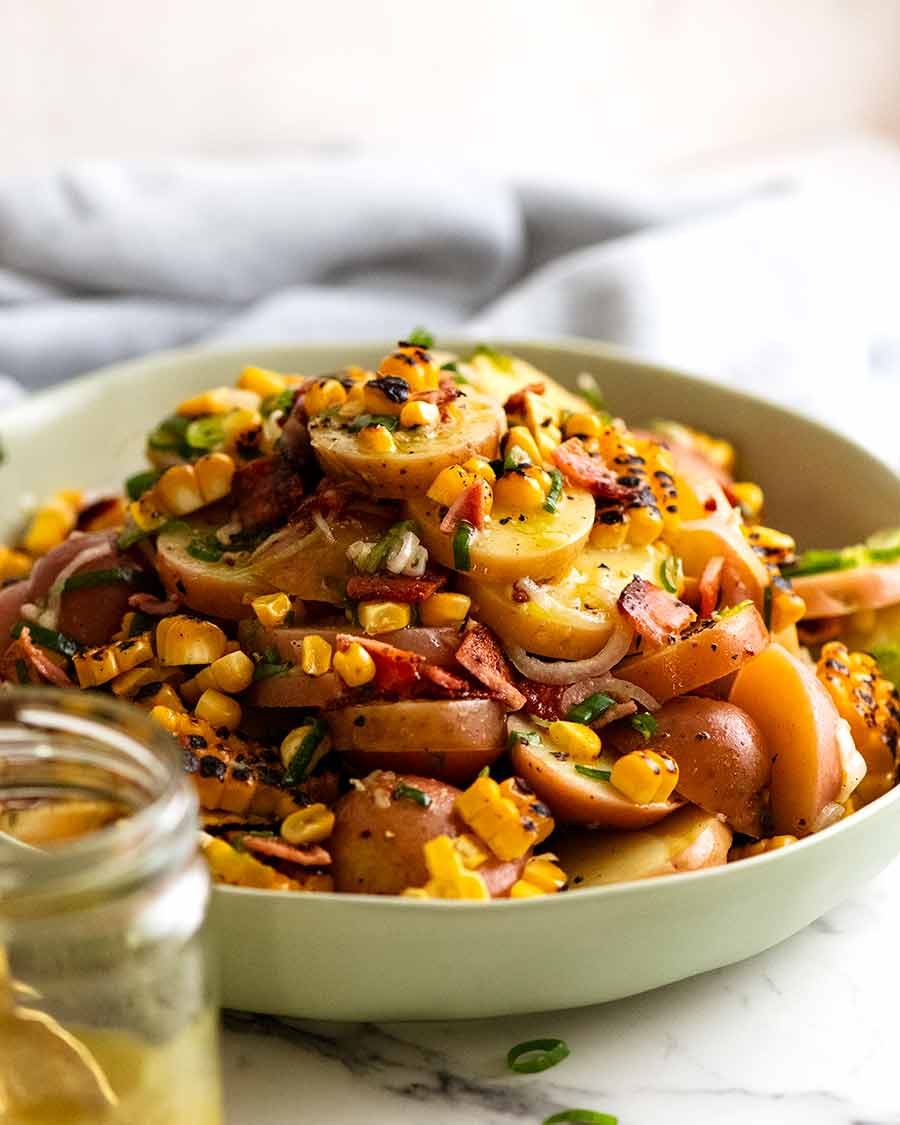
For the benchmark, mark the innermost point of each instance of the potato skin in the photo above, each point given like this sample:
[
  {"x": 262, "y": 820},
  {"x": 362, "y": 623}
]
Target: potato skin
[
  {"x": 379, "y": 850},
  {"x": 723, "y": 763}
]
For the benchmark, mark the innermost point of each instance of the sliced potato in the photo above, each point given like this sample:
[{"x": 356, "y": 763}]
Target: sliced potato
[
  {"x": 500, "y": 376},
  {"x": 540, "y": 544},
  {"x": 420, "y": 454},
  {"x": 294, "y": 688},
  {"x": 437, "y": 644},
  {"x": 698, "y": 541},
  {"x": 447, "y": 739},
  {"x": 688, "y": 840},
  {"x": 581, "y": 609},
  {"x": 799, "y": 722},
  {"x": 206, "y": 587}
]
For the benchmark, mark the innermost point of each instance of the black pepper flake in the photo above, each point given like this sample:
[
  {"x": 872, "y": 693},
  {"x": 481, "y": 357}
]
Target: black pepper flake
[
  {"x": 359, "y": 721},
  {"x": 505, "y": 520}
]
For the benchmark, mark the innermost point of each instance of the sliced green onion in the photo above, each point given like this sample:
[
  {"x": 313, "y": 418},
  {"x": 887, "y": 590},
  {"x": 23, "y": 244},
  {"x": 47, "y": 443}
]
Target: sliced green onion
[
  {"x": 670, "y": 571},
  {"x": 169, "y": 436},
  {"x": 411, "y": 793},
  {"x": 823, "y": 561},
  {"x": 529, "y": 737},
  {"x": 556, "y": 487},
  {"x": 361, "y": 421},
  {"x": 884, "y": 546},
  {"x": 91, "y": 578},
  {"x": 579, "y": 1116},
  {"x": 270, "y": 666},
  {"x": 590, "y": 709},
  {"x": 46, "y": 638},
  {"x": 137, "y": 485},
  {"x": 460, "y": 380},
  {"x": 205, "y": 433},
  {"x": 132, "y": 534},
  {"x": 420, "y": 337},
  {"x": 593, "y": 772},
  {"x": 282, "y": 400},
  {"x": 645, "y": 724},
  {"x": 485, "y": 771},
  {"x": 732, "y": 610},
  {"x": 298, "y": 767},
  {"x": 536, "y": 1055},
  {"x": 374, "y": 559},
  {"x": 206, "y": 548},
  {"x": 462, "y": 539}
]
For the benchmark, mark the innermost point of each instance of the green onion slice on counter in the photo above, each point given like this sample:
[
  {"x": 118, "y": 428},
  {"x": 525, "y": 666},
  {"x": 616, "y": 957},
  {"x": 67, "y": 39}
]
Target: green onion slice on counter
[{"x": 535, "y": 1055}]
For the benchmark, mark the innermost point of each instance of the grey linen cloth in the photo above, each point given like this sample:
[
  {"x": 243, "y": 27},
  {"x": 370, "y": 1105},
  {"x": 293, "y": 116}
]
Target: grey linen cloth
[{"x": 782, "y": 286}]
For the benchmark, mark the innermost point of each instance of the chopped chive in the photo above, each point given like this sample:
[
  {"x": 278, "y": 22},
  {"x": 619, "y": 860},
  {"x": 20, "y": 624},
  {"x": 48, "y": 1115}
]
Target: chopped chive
[
  {"x": 269, "y": 665},
  {"x": 299, "y": 765},
  {"x": 169, "y": 436},
  {"x": 361, "y": 421},
  {"x": 581, "y": 1117},
  {"x": 375, "y": 557},
  {"x": 590, "y": 709},
  {"x": 556, "y": 487},
  {"x": 535, "y": 1055},
  {"x": 450, "y": 367},
  {"x": 823, "y": 561},
  {"x": 593, "y": 772},
  {"x": 91, "y": 578},
  {"x": 884, "y": 546},
  {"x": 645, "y": 724},
  {"x": 46, "y": 638},
  {"x": 670, "y": 571},
  {"x": 462, "y": 539},
  {"x": 732, "y": 610},
  {"x": 411, "y": 793},
  {"x": 138, "y": 484},
  {"x": 420, "y": 338},
  {"x": 485, "y": 771}
]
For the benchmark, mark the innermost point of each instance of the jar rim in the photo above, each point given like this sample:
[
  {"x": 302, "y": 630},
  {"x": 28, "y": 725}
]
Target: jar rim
[{"x": 157, "y": 835}]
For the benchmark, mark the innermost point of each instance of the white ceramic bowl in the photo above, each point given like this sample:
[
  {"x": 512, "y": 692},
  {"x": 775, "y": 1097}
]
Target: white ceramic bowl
[{"x": 362, "y": 957}]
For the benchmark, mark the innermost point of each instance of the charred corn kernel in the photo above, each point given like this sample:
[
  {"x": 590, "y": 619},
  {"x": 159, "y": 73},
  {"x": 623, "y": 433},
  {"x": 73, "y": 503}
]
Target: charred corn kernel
[
  {"x": 480, "y": 467},
  {"x": 584, "y": 425},
  {"x": 292, "y": 742},
  {"x": 472, "y": 853},
  {"x": 377, "y": 439},
  {"x": 356, "y": 402},
  {"x": 324, "y": 394},
  {"x": 378, "y": 402},
  {"x": 218, "y": 709},
  {"x": 242, "y": 430},
  {"x": 541, "y": 872},
  {"x": 495, "y": 819},
  {"x": 177, "y": 491},
  {"x": 311, "y": 825},
  {"x": 419, "y": 414},
  {"x": 220, "y": 400},
  {"x": 760, "y": 847},
  {"x": 539, "y": 413},
  {"x": 188, "y": 640},
  {"x": 575, "y": 739},
  {"x": 261, "y": 382},
  {"x": 659, "y": 469},
  {"x": 541, "y": 476},
  {"x": 449, "y": 876},
  {"x": 533, "y": 811},
  {"x": 148, "y": 513},
  {"x": 787, "y": 609},
  {"x": 100, "y": 665},
  {"x": 449, "y": 484},
  {"x": 384, "y": 617},
  {"x": 354, "y": 665},
  {"x": 520, "y": 437},
  {"x": 645, "y": 525},
  {"x": 547, "y": 440},
  {"x": 315, "y": 655},
  {"x": 515, "y": 492},
  {"x": 271, "y": 609},
  {"x": 414, "y": 364},
  {"x": 215, "y": 473},
  {"x": 774, "y": 546},
  {"x": 444, "y": 609},
  {"x": 750, "y": 498},
  {"x": 523, "y": 889},
  {"x": 52, "y": 522},
  {"x": 231, "y": 673},
  {"x": 167, "y": 698},
  {"x": 610, "y": 536},
  {"x": 240, "y": 869},
  {"x": 13, "y": 564},
  {"x": 129, "y": 683},
  {"x": 645, "y": 777}
]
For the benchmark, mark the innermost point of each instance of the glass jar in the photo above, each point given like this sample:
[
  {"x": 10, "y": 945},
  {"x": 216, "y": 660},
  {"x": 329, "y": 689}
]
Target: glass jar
[{"x": 106, "y": 1010}]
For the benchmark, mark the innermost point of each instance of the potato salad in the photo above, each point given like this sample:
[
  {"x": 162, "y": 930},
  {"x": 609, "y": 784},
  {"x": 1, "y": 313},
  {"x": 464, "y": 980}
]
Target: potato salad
[{"x": 447, "y": 629}]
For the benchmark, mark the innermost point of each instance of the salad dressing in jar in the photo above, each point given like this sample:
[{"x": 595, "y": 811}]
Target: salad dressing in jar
[{"x": 106, "y": 1011}]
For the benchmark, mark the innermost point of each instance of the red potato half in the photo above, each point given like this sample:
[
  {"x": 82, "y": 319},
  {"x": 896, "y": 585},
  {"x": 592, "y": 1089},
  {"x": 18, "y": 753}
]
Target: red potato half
[
  {"x": 709, "y": 652},
  {"x": 576, "y": 799},
  {"x": 437, "y": 645},
  {"x": 447, "y": 739},
  {"x": 839, "y": 593},
  {"x": 688, "y": 840},
  {"x": 800, "y": 725},
  {"x": 378, "y": 839},
  {"x": 723, "y": 763}
]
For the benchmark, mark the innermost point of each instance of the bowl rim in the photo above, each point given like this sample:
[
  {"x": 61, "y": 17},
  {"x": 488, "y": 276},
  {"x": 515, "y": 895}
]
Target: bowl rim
[{"x": 29, "y": 410}]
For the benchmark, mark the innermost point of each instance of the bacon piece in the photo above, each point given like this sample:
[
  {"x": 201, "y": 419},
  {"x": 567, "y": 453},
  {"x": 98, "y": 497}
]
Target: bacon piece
[
  {"x": 396, "y": 670},
  {"x": 656, "y": 615},
  {"x": 710, "y": 585},
  {"x": 515, "y": 404},
  {"x": 305, "y": 855},
  {"x": 445, "y": 680},
  {"x": 266, "y": 492},
  {"x": 152, "y": 605},
  {"x": 468, "y": 506},
  {"x": 733, "y": 588},
  {"x": 393, "y": 587},
  {"x": 613, "y": 714},
  {"x": 446, "y": 391},
  {"x": 543, "y": 700},
  {"x": 14, "y": 660},
  {"x": 480, "y": 654},
  {"x": 40, "y": 661},
  {"x": 590, "y": 471}
]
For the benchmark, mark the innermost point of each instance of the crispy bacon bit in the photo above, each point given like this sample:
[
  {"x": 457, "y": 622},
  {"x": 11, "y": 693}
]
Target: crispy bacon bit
[
  {"x": 40, "y": 661},
  {"x": 445, "y": 680},
  {"x": 393, "y": 587},
  {"x": 543, "y": 700},
  {"x": 481, "y": 656},
  {"x": 305, "y": 855},
  {"x": 445, "y": 392},
  {"x": 613, "y": 714},
  {"x": 266, "y": 491},
  {"x": 710, "y": 585},
  {"x": 515, "y": 404},
  {"x": 657, "y": 616},
  {"x": 590, "y": 471},
  {"x": 150, "y": 604},
  {"x": 468, "y": 506}
]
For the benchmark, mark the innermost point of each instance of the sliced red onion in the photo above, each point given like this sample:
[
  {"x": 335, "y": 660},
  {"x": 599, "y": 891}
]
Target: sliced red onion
[
  {"x": 609, "y": 685},
  {"x": 613, "y": 714},
  {"x": 570, "y": 671}
]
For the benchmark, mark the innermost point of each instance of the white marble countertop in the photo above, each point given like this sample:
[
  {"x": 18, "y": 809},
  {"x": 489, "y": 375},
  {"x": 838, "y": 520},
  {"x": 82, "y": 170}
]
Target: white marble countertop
[{"x": 803, "y": 1034}]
